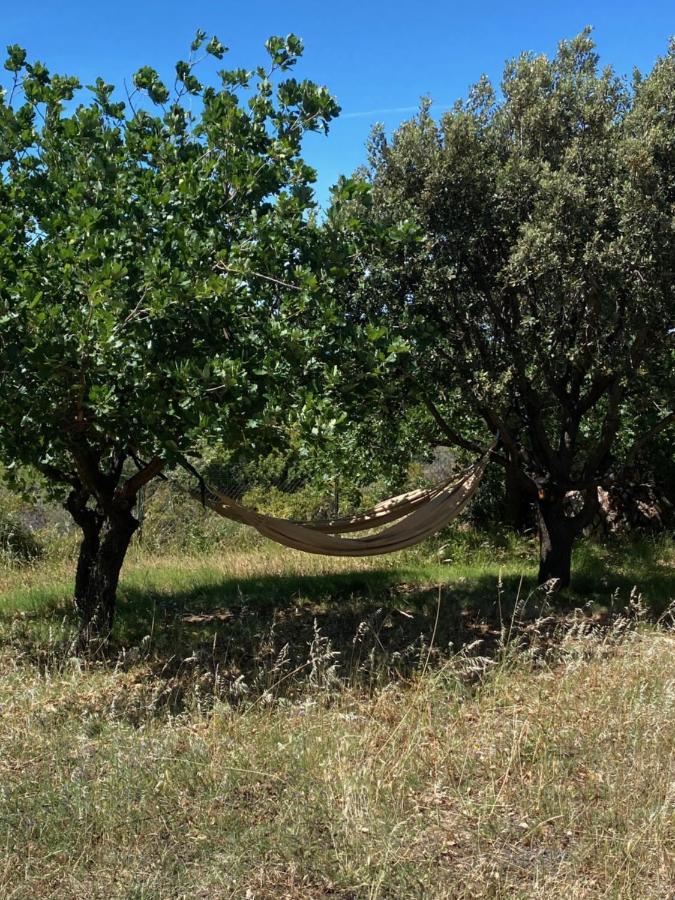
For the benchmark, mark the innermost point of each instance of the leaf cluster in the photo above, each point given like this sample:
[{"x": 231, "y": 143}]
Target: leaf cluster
[{"x": 156, "y": 247}]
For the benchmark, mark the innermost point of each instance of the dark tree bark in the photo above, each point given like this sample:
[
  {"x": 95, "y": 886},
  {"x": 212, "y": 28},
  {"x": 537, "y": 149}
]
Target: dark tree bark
[
  {"x": 86, "y": 559},
  {"x": 558, "y": 530},
  {"x": 556, "y": 539},
  {"x": 105, "y": 541},
  {"x": 517, "y": 502},
  {"x": 98, "y": 571}
]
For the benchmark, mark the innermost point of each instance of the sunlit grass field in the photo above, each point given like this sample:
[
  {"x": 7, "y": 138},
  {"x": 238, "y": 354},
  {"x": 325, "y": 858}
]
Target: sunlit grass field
[{"x": 267, "y": 724}]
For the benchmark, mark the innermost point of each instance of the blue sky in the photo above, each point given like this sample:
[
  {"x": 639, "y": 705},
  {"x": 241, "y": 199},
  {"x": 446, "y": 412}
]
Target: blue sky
[{"x": 378, "y": 58}]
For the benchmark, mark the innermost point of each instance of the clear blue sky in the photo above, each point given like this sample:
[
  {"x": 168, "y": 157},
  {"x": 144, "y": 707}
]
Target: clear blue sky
[{"x": 378, "y": 58}]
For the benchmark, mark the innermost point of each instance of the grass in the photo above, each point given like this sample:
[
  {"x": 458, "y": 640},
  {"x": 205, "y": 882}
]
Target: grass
[{"x": 266, "y": 724}]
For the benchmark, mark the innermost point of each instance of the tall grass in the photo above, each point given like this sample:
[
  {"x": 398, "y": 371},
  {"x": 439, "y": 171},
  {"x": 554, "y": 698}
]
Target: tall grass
[{"x": 265, "y": 724}]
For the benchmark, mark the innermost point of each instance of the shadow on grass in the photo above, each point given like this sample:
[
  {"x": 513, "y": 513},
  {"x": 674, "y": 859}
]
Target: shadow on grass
[
  {"x": 248, "y": 619},
  {"x": 368, "y": 627},
  {"x": 247, "y": 636}
]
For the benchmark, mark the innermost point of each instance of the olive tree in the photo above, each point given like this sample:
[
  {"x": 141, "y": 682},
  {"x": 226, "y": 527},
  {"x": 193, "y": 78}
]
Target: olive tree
[
  {"x": 521, "y": 251},
  {"x": 156, "y": 247}
]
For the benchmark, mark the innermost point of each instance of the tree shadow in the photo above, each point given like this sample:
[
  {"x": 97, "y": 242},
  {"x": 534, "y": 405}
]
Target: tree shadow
[
  {"x": 270, "y": 635},
  {"x": 262, "y": 636}
]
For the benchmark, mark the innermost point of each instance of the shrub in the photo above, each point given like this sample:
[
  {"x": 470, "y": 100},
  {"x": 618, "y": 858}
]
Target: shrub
[{"x": 18, "y": 543}]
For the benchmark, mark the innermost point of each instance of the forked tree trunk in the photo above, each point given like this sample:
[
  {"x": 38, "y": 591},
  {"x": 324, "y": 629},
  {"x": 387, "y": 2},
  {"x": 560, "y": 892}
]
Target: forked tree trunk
[
  {"x": 108, "y": 525},
  {"x": 105, "y": 541},
  {"x": 556, "y": 539}
]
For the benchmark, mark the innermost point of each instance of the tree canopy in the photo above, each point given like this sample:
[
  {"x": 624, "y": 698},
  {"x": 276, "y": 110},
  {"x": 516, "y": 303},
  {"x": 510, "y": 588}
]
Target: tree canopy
[
  {"x": 156, "y": 248},
  {"x": 165, "y": 280},
  {"x": 520, "y": 250}
]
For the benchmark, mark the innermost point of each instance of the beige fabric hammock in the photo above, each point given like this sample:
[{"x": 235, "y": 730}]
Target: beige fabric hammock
[{"x": 416, "y": 516}]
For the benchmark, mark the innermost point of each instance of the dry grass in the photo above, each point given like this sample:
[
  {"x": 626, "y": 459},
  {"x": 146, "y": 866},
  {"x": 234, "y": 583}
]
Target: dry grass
[{"x": 538, "y": 764}]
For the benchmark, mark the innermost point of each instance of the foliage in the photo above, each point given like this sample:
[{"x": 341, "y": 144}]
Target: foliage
[
  {"x": 155, "y": 253},
  {"x": 130, "y": 317},
  {"x": 517, "y": 258}
]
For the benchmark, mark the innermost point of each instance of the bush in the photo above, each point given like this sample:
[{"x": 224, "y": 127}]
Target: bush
[
  {"x": 312, "y": 501},
  {"x": 173, "y": 520},
  {"x": 18, "y": 543}
]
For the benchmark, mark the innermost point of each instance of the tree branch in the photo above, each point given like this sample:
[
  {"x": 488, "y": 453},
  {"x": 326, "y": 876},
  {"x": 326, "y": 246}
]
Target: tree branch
[
  {"x": 453, "y": 436},
  {"x": 634, "y": 451},
  {"x": 588, "y": 511},
  {"x": 55, "y": 474},
  {"x": 610, "y": 427},
  {"x": 132, "y": 486},
  {"x": 600, "y": 384}
]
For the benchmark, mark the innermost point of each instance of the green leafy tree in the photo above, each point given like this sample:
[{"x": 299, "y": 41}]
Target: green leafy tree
[
  {"x": 521, "y": 251},
  {"x": 156, "y": 250}
]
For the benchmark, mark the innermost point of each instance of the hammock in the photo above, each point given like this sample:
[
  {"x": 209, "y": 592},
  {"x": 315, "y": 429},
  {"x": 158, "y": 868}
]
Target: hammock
[{"x": 416, "y": 515}]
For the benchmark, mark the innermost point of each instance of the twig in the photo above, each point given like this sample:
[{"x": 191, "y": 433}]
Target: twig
[{"x": 223, "y": 267}]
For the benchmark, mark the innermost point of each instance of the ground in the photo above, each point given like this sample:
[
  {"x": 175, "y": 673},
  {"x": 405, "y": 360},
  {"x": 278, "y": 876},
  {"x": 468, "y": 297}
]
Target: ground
[{"x": 266, "y": 724}]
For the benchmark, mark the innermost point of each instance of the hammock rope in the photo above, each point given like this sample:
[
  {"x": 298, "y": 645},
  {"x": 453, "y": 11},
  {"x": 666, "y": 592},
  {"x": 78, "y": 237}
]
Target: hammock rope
[{"x": 411, "y": 518}]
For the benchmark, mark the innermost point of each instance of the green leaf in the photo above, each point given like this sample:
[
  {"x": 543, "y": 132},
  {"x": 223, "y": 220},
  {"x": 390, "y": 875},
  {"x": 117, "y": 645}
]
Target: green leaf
[{"x": 16, "y": 58}]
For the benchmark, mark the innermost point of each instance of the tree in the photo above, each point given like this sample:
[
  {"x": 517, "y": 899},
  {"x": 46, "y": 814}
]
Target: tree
[
  {"x": 154, "y": 254},
  {"x": 521, "y": 251}
]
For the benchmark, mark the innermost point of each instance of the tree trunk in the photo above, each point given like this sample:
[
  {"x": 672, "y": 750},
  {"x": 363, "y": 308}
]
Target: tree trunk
[
  {"x": 101, "y": 504},
  {"x": 518, "y": 506},
  {"x": 556, "y": 538},
  {"x": 102, "y": 551}
]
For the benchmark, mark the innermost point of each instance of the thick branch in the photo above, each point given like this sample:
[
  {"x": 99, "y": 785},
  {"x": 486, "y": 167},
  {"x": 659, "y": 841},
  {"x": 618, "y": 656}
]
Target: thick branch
[
  {"x": 610, "y": 427},
  {"x": 531, "y": 399},
  {"x": 585, "y": 516},
  {"x": 454, "y": 437},
  {"x": 140, "y": 465},
  {"x": 600, "y": 384},
  {"x": 88, "y": 470},
  {"x": 132, "y": 486},
  {"x": 76, "y": 504},
  {"x": 53, "y": 473}
]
